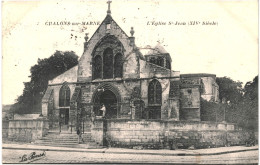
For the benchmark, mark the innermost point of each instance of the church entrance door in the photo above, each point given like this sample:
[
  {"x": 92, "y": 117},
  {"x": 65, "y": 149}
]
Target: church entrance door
[
  {"x": 64, "y": 119},
  {"x": 108, "y": 98}
]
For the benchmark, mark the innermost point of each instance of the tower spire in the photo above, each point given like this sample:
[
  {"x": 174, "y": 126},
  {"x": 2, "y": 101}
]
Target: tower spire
[{"x": 108, "y": 10}]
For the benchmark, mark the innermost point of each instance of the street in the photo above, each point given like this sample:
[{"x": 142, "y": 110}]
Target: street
[{"x": 15, "y": 156}]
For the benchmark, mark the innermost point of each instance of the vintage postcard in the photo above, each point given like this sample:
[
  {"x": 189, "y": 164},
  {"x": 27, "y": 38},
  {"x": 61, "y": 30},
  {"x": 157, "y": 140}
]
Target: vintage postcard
[{"x": 127, "y": 81}]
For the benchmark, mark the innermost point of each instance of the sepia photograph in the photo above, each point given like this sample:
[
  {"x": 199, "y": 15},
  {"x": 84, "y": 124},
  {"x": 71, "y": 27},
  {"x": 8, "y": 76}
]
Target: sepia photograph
[{"x": 130, "y": 81}]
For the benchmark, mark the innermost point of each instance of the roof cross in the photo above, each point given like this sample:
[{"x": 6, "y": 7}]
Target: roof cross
[{"x": 108, "y": 10}]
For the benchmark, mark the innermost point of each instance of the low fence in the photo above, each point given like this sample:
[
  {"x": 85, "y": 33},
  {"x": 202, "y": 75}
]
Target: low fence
[
  {"x": 145, "y": 133},
  {"x": 167, "y": 134},
  {"x": 5, "y": 127},
  {"x": 27, "y": 130}
]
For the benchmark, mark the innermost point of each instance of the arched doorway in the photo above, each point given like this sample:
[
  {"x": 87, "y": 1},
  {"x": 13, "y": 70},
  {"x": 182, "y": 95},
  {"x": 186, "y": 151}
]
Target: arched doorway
[
  {"x": 108, "y": 95},
  {"x": 108, "y": 98},
  {"x": 64, "y": 108}
]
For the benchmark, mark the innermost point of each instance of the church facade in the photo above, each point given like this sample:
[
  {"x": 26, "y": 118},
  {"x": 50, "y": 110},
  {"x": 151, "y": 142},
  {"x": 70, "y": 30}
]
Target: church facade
[
  {"x": 113, "y": 71},
  {"x": 133, "y": 87}
]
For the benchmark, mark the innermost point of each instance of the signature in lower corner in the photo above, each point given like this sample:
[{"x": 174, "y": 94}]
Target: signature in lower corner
[{"x": 31, "y": 156}]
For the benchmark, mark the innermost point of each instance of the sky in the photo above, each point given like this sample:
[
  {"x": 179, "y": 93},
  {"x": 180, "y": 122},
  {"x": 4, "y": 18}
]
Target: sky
[{"x": 229, "y": 47}]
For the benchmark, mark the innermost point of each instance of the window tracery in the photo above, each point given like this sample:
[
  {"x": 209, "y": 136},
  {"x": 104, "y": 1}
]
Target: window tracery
[
  {"x": 97, "y": 67},
  {"x": 118, "y": 65},
  {"x": 108, "y": 63},
  {"x": 64, "y": 96}
]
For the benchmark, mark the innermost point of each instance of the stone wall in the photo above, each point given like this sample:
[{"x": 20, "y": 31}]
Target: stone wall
[
  {"x": 5, "y": 126},
  {"x": 210, "y": 89},
  {"x": 25, "y": 116},
  {"x": 167, "y": 134},
  {"x": 27, "y": 130},
  {"x": 97, "y": 132},
  {"x": 190, "y": 103}
]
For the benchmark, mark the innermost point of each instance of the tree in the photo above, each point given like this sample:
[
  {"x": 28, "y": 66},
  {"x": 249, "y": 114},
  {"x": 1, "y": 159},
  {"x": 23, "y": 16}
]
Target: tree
[
  {"x": 250, "y": 100},
  {"x": 209, "y": 111},
  {"x": 229, "y": 90},
  {"x": 45, "y": 70},
  {"x": 243, "y": 102},
  {"x": 230, "y": 93},
  {"x": 238, "y": 105},
  {"x": 245, "y": 112},
  {"x": 251, "y": 90}
]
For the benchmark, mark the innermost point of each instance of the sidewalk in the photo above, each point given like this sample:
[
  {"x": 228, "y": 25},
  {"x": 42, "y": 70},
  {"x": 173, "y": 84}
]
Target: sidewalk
[{"x": 180, "y": 152}]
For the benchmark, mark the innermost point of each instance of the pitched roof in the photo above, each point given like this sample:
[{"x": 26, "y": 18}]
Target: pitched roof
[
  {"x": 158, "y": 49},
  {"x": 47, "y": 95}
]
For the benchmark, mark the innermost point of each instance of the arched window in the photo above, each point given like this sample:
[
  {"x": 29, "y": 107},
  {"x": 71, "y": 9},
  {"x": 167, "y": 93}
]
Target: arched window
[
  {"x": 118, "y": 65},
  {"x": 154, "y": 99},
  {"x": 154, "y": 93},
  {"x": 97, "y": 67},
  {"x": 153, "y": 60},
  {"x": 106, "y": 48},
  {"x": 64, "y": 96},
  {"x": 108, "y": 63},
  {"x": 160, "y": 61},
  {"x": 168, "y": 64}
]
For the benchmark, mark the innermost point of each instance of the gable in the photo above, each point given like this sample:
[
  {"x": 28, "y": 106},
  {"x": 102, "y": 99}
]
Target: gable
[
  {"x": 108, "y": 28},
  {"x": 68, "y": 76}
]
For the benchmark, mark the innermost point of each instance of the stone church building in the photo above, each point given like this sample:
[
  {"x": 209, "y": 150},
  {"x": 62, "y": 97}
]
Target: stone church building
[{"x": 141, "y": 92}]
